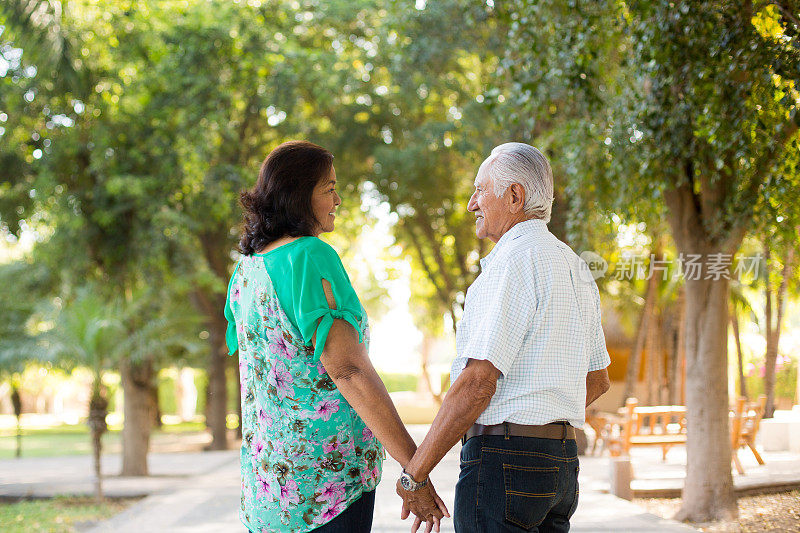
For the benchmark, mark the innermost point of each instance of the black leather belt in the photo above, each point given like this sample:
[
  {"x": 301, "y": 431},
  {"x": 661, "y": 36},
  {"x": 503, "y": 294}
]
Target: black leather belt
[{"x": 554, "y": 430}]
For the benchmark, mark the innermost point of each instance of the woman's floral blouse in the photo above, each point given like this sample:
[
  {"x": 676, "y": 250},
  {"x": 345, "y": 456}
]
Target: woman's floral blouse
[{"x": 306, "y": 455}]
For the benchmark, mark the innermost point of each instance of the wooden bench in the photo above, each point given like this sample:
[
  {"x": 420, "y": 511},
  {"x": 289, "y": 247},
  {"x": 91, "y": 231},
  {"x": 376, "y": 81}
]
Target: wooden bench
[
  {"x": 659, "y": 425},
  {"x": 665, "y": 426},
  {"x": 745, "y": 421}
]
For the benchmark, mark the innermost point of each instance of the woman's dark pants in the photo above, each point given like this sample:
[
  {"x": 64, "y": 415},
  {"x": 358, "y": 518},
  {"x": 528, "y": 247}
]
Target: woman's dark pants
[
  {"x": 355, "y": 519},
  {"x": 514, "y": 484}
]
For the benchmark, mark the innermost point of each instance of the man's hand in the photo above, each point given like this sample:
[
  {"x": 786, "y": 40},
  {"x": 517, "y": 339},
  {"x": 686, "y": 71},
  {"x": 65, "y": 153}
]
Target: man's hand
[{"x": 426, "y": 505}]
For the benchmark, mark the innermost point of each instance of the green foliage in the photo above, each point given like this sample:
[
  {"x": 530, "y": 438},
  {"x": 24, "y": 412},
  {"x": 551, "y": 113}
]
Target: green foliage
[
  {"x": 60, "y": 440},
  {"x": 431, "y": 131},
  {"x": 75, "y": 440},
  {"x": 658, "y": 96},
  {"x": 59, "y": 514},
  {"x": 785, "y": 379},
  {"x": 399, "y": 382},
  {"x": 201, "y": 383},
  {"x": 145, "y": 182},
  {"x": 167, "y": 395},
  {"x": 24, "y": 285},
  {"x": 97, "y": 330},
  {"x": 85, "y": 332}
]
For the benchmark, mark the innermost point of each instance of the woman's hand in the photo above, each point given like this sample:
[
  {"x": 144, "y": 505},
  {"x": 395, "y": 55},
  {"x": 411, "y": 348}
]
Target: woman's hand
[{"x": 426, "y": 505}]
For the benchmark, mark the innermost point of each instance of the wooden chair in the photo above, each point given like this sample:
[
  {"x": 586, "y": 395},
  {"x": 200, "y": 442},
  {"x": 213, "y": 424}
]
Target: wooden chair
[
  {"x": 658, "y": 425},
  {"x": 744, "y": 428},
  {"x": 604, "y": 425}
]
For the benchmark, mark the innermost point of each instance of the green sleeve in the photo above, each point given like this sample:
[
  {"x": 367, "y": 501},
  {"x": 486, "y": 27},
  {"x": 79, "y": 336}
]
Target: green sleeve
[
  {"x": 316, "y": 262},
  {"x": 231, "y": 338}
]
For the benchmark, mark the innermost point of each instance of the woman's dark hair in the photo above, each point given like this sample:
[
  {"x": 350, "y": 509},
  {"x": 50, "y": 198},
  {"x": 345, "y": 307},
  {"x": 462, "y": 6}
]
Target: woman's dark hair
[{"x": 280, "y": 202}]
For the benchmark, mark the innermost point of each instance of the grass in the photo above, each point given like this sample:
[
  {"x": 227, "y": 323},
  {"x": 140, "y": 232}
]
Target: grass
[
  {"x": 60, "y": 514},
  {"x": 75, "y": 439}
]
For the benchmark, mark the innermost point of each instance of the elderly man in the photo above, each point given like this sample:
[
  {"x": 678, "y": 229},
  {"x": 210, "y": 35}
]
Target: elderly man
[{"x": 531, "y": 356}]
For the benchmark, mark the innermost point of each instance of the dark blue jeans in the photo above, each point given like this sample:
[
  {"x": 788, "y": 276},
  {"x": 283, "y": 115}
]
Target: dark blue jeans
[
  {"x": 355, "y": 519},
  {"x": 516, "y": 484}
]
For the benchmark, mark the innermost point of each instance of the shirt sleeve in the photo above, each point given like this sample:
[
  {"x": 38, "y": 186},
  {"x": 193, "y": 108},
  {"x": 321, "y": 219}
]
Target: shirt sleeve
[
  {"x": 310, "y": 306},
  {"x": 509, "y": 308},
  {"x": 598, "y": 354},
  {"x": 231, "y": 337}
]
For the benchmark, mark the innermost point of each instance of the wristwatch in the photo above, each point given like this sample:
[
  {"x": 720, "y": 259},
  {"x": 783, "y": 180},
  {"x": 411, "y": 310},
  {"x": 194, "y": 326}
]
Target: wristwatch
[{"x": 409, "y": 483}]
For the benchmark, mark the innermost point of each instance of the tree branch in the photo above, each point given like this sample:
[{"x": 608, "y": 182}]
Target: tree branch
[
  {"x": 684, "y": 213},
  {"x": 787, "y": 13},
  {"x": 440, "y": 291},
  {"x": 427, "y": 230},
  {"x": 749, "y": 197}
]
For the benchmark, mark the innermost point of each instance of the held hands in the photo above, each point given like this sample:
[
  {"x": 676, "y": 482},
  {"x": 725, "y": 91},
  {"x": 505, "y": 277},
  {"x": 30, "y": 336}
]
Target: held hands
[{"x": 425, "y": 504}]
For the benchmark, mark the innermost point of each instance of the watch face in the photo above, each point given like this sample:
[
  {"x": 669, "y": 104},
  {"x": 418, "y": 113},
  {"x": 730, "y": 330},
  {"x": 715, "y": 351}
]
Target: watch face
[{"x": 405, "y": 482}]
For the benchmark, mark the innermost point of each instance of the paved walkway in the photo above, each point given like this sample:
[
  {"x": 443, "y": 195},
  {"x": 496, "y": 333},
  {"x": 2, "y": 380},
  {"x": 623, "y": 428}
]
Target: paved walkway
[
  {"x": 199, "y": 492},
  {"x": 44, "y": 477},
  {"x": 655, "y": 478}
]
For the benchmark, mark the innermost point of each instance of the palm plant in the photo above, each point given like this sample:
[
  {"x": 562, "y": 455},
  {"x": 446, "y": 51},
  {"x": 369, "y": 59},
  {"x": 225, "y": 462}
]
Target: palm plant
[{"x": 84, "y": 333}]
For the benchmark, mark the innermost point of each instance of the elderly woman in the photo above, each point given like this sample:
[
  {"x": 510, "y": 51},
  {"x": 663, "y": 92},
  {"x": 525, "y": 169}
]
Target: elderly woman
[{"x": 314, "y": 411}]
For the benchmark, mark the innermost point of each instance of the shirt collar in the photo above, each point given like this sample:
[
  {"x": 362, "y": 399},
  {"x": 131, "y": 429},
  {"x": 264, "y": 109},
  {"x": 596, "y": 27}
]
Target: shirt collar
[{"x": 534, "y": 226}]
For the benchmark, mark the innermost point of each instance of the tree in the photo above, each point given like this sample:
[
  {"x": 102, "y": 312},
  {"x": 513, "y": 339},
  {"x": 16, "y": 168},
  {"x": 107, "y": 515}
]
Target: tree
[
  {"x": 81, "y": 146},
  {"x": 24, "y": 285},
  {"x": 84, "y": 333},
  {"x": 703, "y": 111},
  {"x": 156, "y": 331},
  {"x": 429, "y": 133},
  {"x": 714, "y": 122},
  {"x": 778, "y": 272},
  {"x": 779, "y": 232}
]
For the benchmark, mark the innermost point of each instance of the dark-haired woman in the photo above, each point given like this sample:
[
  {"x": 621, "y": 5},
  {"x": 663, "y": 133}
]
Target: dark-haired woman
[{"x": 314, "y": 411}]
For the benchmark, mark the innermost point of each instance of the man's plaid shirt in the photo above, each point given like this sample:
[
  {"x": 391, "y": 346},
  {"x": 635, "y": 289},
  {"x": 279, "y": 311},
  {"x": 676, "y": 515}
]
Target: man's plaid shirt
[{"x": 534, "y": 313}]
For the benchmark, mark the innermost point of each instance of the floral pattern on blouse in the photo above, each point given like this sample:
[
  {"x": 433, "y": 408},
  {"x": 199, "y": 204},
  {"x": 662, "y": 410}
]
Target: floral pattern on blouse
[{"x": 306, "y": 455}]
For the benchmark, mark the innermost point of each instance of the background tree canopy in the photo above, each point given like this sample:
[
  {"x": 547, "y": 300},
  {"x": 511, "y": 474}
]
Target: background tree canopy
[{"x": 128, "y": 130}]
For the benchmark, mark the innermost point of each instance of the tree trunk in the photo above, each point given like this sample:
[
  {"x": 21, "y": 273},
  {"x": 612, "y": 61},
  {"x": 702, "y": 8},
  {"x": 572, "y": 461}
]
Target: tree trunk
[
  {"x": 635, "y": 358},
  {"x": 424, "y": 380},
  {"x": 655, "y": 359},
  {"x": 97, "y": 450},
  {"x": 155, "y": 405},
  {"x": 137, "y": 386},
  {"x": 98, "y": 409},
  {"x": 739, "y": 356},
  {"x": 217, "y": 395},
  {"x": 16, "y": 401},
  {"x": 672, "y": 341},
  {"x": 773, "y": 330},
  {"x": 216, "y": 408},
  {"x": 216, "y": 250},
  {"x": 708, "y": 490},
  {"x": 678, "y": 390}
]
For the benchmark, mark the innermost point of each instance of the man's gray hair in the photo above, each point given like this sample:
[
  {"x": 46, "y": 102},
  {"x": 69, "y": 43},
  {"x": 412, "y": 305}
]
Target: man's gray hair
[{"x": 522, "y": 163}]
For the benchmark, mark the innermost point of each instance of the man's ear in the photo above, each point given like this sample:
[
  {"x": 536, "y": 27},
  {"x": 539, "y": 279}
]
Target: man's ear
[{"x": 516, "y": 197}]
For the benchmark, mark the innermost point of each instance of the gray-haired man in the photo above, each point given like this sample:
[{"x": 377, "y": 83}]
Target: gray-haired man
[{"x": 531, "y": 356}]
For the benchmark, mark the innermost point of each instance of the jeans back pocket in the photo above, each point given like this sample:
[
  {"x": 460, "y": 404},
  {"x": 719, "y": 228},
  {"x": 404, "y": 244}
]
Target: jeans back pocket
[{"x": 530, "y": 493}]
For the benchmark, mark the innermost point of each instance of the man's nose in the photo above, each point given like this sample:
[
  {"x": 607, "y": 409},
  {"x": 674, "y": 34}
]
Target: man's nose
[{"x": 472, "y": 205}]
